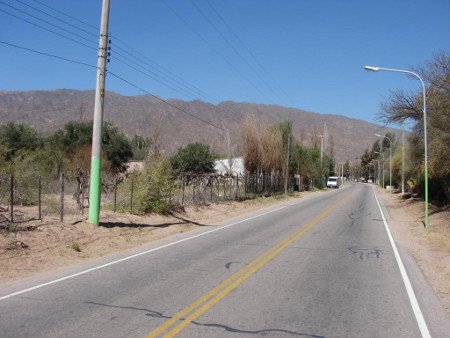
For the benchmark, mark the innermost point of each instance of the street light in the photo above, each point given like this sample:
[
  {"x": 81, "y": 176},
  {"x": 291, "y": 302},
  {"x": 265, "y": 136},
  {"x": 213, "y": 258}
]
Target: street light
[
  {"x": 390, "y": 162},
  {"x": 377, "y": 152},
  {"x": 376, "y": 69}
]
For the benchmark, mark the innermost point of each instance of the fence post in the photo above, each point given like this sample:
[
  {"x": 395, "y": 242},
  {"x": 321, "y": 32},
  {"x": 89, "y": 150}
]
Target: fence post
[
  {"x": 131, "y": 199},
  {"x": 115, "y": 194},
  {"x": 11, "y": 197},
  {"x": 238, "y": 193},
  {"x": 39, "y": 198},
  {"x": 211, "y": 182},
  {"x": 61, "y": 210},
  {"x": 193, "y": 192},
  {"x": 245, "y": 184},
  {"x": 82, "y": 196},
  {"x": 182, "y": 189}
]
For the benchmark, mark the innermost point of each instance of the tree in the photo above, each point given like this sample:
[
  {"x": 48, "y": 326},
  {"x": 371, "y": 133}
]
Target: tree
[
  {"x": 76, "y": 137},
  {"x": 376, "y": 148},
  {"x": 195, "y": 158},
  {"x": 18, "y": 136},
  {"x": 117, "y": 147},
  {"x": 366, "y": 158},
  {"x": 347, "y": 169},
  {"x": 250, "y": 145}
]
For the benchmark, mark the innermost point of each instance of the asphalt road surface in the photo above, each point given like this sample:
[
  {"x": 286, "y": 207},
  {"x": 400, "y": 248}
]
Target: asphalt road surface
[{"x": 318, "y": 267}]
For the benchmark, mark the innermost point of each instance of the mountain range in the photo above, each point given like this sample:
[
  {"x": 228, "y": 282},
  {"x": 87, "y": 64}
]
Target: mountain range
[{"x": 148, "y": 116}]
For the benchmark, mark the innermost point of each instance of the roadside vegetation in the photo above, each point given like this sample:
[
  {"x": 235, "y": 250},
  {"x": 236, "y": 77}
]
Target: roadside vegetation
[
  {"x": 271, "y": 153},
  {"x": 404, "y": 107}
]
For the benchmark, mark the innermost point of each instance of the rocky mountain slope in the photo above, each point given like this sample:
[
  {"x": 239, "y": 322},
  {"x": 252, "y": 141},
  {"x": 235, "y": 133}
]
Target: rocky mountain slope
[{"x": 146, "y": 116}]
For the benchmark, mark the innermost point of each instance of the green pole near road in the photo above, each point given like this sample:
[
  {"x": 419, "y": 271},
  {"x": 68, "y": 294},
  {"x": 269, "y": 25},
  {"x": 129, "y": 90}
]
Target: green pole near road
[
  {"x": 95, "y": 179},
  {"x": 376, "y": 69}
]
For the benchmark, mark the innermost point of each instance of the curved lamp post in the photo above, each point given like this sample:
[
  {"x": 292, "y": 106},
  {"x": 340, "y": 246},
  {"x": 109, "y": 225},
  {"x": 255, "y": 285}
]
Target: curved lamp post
[
  {"x": 390, "y": 162},
  {"x": 376, "y": 69}
]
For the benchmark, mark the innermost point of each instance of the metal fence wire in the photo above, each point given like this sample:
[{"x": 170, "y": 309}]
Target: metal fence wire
[{"x": 33, "y": 197}]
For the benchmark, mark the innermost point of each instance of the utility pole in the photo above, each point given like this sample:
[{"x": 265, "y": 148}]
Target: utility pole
[
  {"x": 403, "y": 159},
  {"x": 95, "y": 184},
  {"x": 321, "y": 147},
  {"x": 287, "y": 164}
]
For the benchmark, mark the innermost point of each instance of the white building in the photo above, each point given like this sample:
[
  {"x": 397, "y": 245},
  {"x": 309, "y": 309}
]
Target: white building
[{"x": 223, "y": 167}]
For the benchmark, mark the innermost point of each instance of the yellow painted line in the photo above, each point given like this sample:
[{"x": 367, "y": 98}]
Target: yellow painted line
[{"x": 216, "y": 294}]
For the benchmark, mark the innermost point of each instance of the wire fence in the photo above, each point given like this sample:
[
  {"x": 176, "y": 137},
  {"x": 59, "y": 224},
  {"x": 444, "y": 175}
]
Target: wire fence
[{"x": 32, "y": 197}]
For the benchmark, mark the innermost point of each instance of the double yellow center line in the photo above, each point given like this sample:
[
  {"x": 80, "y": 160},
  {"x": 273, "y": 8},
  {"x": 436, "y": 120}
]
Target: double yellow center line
[{"x": 171, "y": 327}]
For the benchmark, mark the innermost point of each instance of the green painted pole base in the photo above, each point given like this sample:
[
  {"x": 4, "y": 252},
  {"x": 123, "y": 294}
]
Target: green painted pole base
[{"x": 94, "y": 192}]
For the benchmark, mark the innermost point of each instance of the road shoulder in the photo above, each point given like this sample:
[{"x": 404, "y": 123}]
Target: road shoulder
[{"x": 430, "y": 248}]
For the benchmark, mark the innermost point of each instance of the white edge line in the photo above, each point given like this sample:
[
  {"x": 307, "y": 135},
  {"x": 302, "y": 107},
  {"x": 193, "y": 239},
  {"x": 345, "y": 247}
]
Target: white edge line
[
  {"x": 135, "y": 255},
  {"x": 412, "y": 297}
]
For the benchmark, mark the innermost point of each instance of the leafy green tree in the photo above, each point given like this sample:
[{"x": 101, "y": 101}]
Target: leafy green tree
[
  {"x": 75, "y": 139},
  {"x": 376, "y": 148},
  {"x": 195, "y": 158},
  {"x": 117, "y": 147},
  {"x": 347, "y": 169},
  {"x": 366, "y": 158},
  {"x": 18, "y": 136}
]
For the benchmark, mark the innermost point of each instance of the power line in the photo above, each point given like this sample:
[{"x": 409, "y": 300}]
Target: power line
[
  {"x": 48, "y": 54},
  {"x": 252, "y": 55},
  {"x": 165, "y": 101},
  {"x": 228, "y": 42},
  {"x": 191, "y": 88},
  {"x": 67, "y": 15},
  {"x": 144, "y": 71},
  {"x": 49, "y": 30},
  {"x": 56, "y": 18},
  {"x": 160, "y": 69},
  {"x": 170, "y": 79},
  {"x": 48, "y": 22},
  {"x": 240, "y": 74}
]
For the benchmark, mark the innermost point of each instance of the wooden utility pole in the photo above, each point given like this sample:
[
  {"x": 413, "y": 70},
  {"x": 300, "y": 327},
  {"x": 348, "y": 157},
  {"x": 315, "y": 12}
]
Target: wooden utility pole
[
  {"x": 95, "y": 186},
  {"x": 287, "y": 164}
]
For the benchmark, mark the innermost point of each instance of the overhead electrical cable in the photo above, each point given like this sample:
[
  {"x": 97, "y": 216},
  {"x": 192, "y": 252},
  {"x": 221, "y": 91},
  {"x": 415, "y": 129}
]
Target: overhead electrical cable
[
  {"x": 160, "y": 69},
  {"x": 56, "y": 18},
  {"x": 249, "y": 51},
  {"x": 49, "y": 30},
  {"x": 231, "y": 45},
  {"x": 198, "y": 92},
  {"x": 230, "y": 64},
  {"x": 166, "y": 78},
  {"x": 165, "y": 101},
  {"x": 48, "y": 54},
  {"x": 94, "y": 28},
  {"x": 148, "y": 73},
  {"x": 49, "y": 23}
]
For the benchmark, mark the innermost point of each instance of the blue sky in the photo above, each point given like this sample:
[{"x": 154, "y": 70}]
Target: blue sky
[{"x": 304, "y": 54}]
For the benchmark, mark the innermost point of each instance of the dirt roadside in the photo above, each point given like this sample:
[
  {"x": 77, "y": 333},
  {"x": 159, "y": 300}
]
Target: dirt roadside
[
  {"x": 430, "y": 247},
  {"x": 34, "y": 247}
]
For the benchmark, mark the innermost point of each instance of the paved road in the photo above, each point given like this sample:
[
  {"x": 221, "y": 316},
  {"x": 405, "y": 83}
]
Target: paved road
[{"x": 319, "y": 267}]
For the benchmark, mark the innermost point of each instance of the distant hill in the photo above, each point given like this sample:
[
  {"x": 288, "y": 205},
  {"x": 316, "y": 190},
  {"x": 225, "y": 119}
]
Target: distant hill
[{"x": 147, "y": 116}]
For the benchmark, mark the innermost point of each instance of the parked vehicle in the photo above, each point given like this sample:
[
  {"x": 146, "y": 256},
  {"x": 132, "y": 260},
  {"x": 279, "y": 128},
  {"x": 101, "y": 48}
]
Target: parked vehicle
[{"x": 333, "y": 182}]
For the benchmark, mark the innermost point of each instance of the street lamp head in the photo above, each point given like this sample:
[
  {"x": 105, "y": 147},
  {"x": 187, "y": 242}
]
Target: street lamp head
[{"x": 371, "y": 69}]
